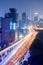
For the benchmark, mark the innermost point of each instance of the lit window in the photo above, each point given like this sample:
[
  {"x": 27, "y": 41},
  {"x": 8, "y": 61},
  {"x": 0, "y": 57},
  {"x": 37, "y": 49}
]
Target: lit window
[
  {"x": 13, "y": 26},
  {"x": 0, "y": 24}
]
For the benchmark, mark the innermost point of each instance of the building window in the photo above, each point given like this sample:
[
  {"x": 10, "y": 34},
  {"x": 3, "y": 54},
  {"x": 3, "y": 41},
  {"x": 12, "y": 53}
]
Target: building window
[
  {"x": 0, "y": 24},
  {"x": 12, "y": 26}
]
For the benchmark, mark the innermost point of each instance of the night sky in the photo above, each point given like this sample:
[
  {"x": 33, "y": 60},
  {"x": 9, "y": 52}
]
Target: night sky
[{"x": 28, "y": 6}]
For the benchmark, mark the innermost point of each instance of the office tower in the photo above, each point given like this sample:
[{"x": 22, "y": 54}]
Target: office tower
[{"x": 35, "y": 17}]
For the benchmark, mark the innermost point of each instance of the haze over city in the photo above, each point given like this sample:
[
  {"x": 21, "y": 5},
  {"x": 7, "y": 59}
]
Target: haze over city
[{"x": 28, "y": 6}]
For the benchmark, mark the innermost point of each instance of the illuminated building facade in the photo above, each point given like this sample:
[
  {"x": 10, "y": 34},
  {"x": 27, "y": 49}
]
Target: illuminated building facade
[
  {"x": 8, "y": 27},
  {"x": 35, "y": 16},
  {"x": 23, "y": 24}
]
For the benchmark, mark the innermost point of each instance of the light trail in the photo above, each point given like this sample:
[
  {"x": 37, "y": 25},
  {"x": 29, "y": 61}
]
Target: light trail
[
  {"x": 17, "y": 46},
  {"x": 6, "y": 49},
  {"x": 39, "y": 28}
]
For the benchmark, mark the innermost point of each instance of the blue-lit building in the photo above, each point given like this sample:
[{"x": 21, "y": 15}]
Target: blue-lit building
[
  {"x": 23, "y": 24},
  {"x": 8, "y": 27}
]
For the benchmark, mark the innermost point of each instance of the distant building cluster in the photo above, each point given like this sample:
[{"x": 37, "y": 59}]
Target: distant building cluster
[{"x": 38, "y": 22}]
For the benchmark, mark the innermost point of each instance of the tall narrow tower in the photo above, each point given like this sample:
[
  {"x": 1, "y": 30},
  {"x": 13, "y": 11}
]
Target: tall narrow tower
[{"x": 35, "y": 16}]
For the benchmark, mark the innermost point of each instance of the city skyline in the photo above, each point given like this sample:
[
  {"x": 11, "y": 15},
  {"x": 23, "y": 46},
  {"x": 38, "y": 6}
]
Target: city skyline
[{"x": 28, "y": 6}]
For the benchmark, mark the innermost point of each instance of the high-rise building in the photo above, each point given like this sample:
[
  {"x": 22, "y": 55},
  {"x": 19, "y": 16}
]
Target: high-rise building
[
  {"x": 23, "y": 24},
  {"x": 12, "y": 14},
  {"x": 24, "y": 16},
  {"x": 9, "y": 26},
  {"x": 35, "y": 16},
  {"x": 24, "y": 19}
]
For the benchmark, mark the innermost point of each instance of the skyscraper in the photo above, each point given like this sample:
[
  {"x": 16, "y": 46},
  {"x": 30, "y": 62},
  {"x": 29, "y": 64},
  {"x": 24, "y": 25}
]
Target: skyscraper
[
  {"x": 35, "y": 17},
  {"x": 9, "y": 26}
]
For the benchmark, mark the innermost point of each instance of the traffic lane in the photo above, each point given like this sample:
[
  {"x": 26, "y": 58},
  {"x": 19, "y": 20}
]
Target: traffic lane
[
  {"x": 22, "y": 50},
  {"x": 15, "y": 49}
]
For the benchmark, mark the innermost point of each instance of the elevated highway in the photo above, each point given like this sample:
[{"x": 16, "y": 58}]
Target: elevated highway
[{"x": 19, "y": 49}]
